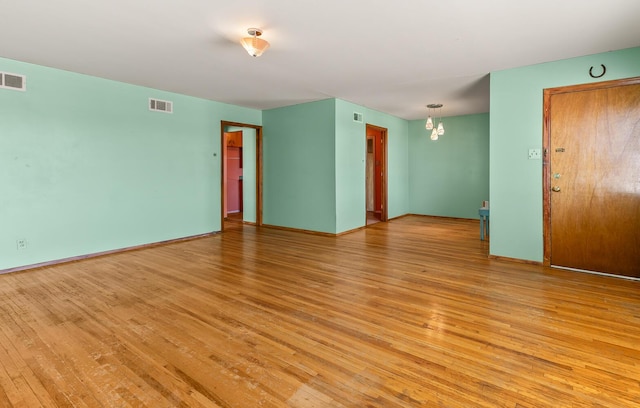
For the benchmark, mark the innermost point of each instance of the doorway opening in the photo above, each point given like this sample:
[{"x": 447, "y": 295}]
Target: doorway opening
[
  {"x": 376, "y": 174},
  {"x": 241, "y": 174}
]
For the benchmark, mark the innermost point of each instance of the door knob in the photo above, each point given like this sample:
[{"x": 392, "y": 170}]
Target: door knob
[{"x": 555, "y": 188}]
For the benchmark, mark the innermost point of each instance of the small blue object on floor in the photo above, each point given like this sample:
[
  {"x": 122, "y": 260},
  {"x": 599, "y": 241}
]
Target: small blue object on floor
[{"x": 484, "y": 218}]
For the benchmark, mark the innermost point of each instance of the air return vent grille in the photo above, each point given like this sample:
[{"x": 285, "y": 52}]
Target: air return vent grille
[
  {"x": 160, "y": 106},
  {"x": 357, "y": 117},
  {"x": 13, "y": 81}
]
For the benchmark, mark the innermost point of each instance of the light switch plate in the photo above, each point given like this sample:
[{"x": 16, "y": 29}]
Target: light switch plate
[{"x": 535, "y": 154}]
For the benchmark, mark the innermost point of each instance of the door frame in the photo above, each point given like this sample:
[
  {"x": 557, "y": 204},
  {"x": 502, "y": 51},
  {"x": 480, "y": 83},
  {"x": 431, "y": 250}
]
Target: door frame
[
  {"x": 546, "y": 144},
  {"x": 223, "y": 171},
  {"x": 384, "y": 214}
]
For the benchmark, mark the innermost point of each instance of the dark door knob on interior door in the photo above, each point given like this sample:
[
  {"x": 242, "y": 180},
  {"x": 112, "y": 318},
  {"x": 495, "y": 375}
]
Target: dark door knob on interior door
[{"x": 555, "y": 188}]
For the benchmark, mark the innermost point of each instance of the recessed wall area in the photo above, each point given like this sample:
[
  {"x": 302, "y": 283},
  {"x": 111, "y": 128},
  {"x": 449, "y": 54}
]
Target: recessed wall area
[{"x": 450, "y": 177}]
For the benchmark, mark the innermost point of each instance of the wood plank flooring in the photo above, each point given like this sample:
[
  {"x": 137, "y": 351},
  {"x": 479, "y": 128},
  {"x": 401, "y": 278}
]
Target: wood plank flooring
[{"x": 402, "y": 314}]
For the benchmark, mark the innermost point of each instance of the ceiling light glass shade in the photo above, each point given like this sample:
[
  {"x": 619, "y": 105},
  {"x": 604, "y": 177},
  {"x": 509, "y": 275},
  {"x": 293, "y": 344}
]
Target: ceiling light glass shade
[
  {"x": 255, "y": 46},
  {"x": 429, "y": 124}
]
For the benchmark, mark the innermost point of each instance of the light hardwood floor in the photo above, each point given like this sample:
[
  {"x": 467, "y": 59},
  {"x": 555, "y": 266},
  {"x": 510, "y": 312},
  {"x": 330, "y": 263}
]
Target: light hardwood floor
[{"x": 402, "y": 314}]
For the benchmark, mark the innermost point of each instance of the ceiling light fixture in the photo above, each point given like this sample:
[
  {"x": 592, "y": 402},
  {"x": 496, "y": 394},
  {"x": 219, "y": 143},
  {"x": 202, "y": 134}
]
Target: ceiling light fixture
[
  {"x": 436, "y": 131},
  {"x": 255, "y": 46}
]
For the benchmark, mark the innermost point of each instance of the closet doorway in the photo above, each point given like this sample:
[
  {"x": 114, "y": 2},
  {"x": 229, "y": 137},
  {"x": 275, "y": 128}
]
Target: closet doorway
[
  {"x": 376, "y": 174},
  {"x": 241, "y": 174}
]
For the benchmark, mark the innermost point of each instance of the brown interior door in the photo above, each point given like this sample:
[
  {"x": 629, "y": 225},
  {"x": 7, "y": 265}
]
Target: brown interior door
[
  {"x": 594, "y": 179},
  {"x": 379, "y": 165},
  {"x": 370, "y": 173}
]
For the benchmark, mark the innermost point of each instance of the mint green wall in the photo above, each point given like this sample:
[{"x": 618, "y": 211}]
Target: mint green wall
[
  {"x": 350, "y": 168},
  {"x": 449, "y": 177},
  {"x": 299, "y": 168},
  {"x": 516, "y": 126},
  {"x": 85, "y": 167},
  {"x": 397, "y": 159},
  {"x": 314, "y": 165},
  {"x": 351, "y": 164}
]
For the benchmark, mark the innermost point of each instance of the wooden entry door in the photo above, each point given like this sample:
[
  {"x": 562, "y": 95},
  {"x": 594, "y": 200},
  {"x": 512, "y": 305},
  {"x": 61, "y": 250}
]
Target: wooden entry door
[{"x": 592, "y": 177}]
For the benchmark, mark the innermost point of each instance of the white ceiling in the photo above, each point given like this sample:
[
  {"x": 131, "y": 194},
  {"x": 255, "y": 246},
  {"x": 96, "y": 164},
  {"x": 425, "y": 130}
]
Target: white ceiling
[{"x": 391, "y": 56}]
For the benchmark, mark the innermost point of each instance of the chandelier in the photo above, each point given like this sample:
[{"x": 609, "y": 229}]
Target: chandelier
[{"x": 436, "y": 131}]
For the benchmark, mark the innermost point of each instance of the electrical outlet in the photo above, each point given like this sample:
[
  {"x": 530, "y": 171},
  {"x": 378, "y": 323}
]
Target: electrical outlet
[
  {"x": 535, "y": 154},
  {"x": 21, "y": 244}
]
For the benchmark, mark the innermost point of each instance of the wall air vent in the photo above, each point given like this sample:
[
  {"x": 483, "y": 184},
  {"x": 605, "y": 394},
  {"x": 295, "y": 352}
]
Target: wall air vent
[
  {"x": 13, "y": 81},
  {"x": 357, "y": 117},
  {"x": 160, "y": 106}
]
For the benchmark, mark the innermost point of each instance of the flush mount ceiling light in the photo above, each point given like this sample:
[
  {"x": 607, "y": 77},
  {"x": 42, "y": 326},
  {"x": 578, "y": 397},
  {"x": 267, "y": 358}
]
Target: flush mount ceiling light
[
  {"x": 255, "y": 46},
  {"x": 439, "y": 130}
]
